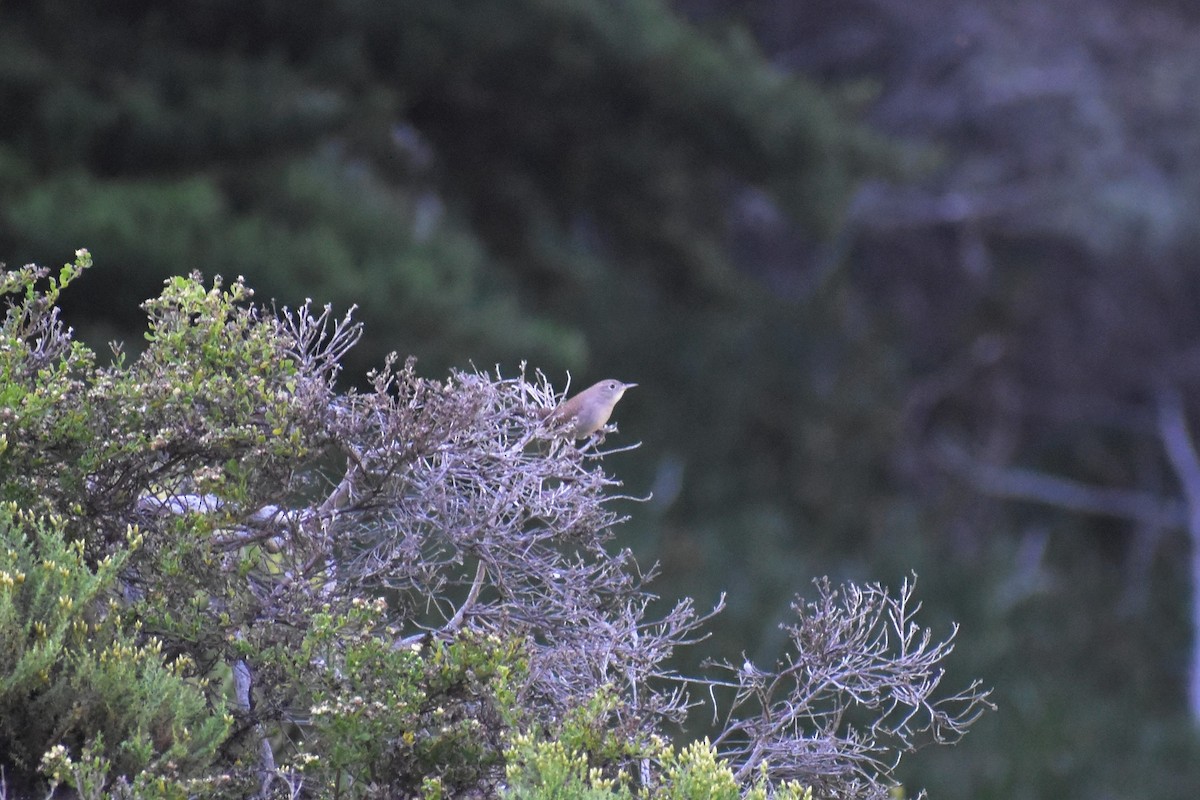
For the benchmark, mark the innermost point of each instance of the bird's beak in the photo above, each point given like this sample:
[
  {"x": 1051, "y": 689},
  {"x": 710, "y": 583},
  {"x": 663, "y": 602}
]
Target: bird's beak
[{"x": 628, "y": 385}]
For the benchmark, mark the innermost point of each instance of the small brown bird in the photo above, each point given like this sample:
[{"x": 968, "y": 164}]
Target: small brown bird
[{"x": 586, "y": 412}]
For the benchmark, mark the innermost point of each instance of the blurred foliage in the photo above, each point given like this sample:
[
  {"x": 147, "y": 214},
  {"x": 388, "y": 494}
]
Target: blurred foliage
[{"x": 374, "y": 154}]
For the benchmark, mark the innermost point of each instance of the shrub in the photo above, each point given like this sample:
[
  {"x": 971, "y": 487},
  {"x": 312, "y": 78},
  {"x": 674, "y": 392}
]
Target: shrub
[
  {"x": 75, "y": 670},
  {"x": 261, "y": 584}
]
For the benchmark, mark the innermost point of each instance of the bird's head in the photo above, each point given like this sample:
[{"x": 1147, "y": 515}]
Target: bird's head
[{"x": 609, "y": 391}]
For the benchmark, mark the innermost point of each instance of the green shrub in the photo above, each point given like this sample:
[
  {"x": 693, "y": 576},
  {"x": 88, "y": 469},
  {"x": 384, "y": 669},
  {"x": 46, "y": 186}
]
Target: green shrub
[
  {"x": 385, "y": 716},
  {"x": 553, "y": 769},
  {"x": 75, "y": 670}
]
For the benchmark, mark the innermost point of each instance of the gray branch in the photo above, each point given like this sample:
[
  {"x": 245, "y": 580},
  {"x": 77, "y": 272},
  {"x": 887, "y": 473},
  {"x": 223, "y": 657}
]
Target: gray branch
[
  {"x": 1016, "y": 483},
  {"x": 1181, "y": 452}
]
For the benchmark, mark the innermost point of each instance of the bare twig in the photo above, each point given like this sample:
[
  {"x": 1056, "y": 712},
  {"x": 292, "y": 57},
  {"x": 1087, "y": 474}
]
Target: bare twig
[
  {"x": 456, "y": 621},
  {"x": 854, "y": 649}
]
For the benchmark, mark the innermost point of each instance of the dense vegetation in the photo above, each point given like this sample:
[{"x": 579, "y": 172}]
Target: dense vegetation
[
  {"x": 222, "y": 577},
  {"x": 905, "y": 287}
]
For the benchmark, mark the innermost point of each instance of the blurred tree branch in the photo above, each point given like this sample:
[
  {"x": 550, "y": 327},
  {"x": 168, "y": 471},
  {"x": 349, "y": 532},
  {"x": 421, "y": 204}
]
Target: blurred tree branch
[
  {"x": 1180, "y": 448},
  {"x": 1015, "y": 483}
]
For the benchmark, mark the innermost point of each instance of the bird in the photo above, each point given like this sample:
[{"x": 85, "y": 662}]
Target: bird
[{"x": 588, "y": 411}]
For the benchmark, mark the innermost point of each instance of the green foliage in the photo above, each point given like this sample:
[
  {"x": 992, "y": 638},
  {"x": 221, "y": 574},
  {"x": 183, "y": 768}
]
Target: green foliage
[
  {"x": 75, "y": 669},
  {"x": 40, "y": 387},
  {"x": 78, "y": 442},
  {"x": 386, "y": 716},
  {"x": 322, "y": 226},
  {"x": 587, "y": 757},
  {"x": 554, "y": 768},
  {"x": 619, "y": 111},
  {"x": 204, "y": 353},
  {"x": 694, "y": 772},
  {"x": 548, "y": 769}
]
